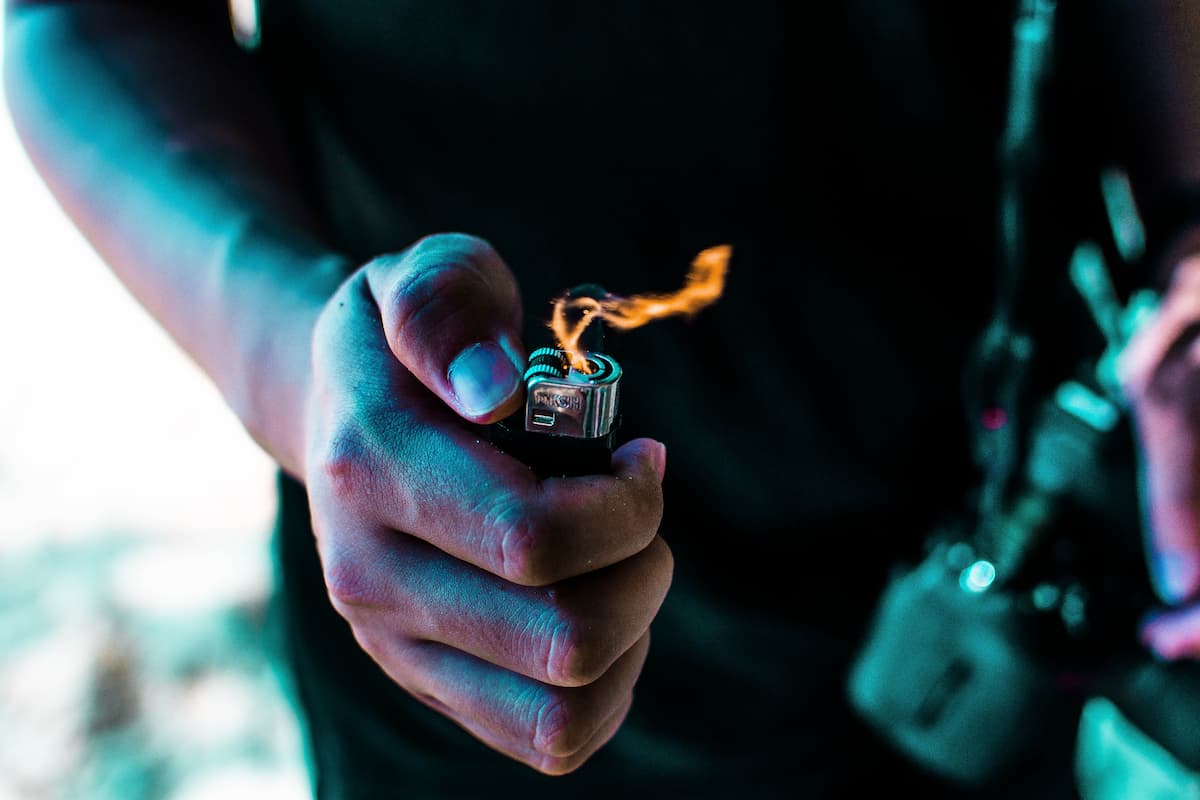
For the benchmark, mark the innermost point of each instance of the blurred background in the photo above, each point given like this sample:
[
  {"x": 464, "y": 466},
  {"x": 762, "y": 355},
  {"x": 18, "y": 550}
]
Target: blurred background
[{"x": 135, "y": 518}]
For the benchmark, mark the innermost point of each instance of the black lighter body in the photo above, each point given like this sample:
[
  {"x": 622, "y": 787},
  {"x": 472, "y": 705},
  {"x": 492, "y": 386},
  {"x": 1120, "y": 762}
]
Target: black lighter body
[
  {"x": 568, "y": 426},
  {"x": 569, "y": 422}
]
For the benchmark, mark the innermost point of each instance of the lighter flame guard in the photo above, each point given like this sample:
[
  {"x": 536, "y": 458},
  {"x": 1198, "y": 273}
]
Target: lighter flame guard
[
  {"x": 562, "y": 401},
  {"x": 569, "y": 423},
  {"x": 571, "y": 414}
]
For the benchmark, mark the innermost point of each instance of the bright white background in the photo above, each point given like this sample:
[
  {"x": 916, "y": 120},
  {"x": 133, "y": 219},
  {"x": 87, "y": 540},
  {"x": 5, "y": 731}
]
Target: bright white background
[{"x": 134, "y": 516}]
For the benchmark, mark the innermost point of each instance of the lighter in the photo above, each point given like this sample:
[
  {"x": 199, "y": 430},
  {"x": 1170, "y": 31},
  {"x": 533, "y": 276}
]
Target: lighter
[
  {"x": 570, "y": 419},
  {"x": 571, "y": 414}
]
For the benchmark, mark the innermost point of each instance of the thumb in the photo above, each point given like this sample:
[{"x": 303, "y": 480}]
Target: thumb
[{"x": 451, "y": 313}]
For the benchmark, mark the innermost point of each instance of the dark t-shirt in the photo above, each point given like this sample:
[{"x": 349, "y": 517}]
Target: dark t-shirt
[{"x": 813, "y": 417}]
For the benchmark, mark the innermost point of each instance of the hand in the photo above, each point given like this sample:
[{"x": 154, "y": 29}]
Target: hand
[
  {"x": 519, "y": 609},
  {"x": 1160, "y": 372}
]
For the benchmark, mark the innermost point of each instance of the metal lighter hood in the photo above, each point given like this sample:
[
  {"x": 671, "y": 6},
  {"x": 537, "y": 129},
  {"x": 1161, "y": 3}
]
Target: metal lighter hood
[{"x": 562, "y": 401}]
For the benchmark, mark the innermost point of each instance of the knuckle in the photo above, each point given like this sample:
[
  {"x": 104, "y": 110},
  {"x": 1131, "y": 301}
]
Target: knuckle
[
  {"x": 563, "y": 648},
  {"x": 346, "y": 465},
  {"x": 520, "y": 541},
  {"x": 566, "y": 655},
  {"x": 348, "y": 583},
  {"x": 550, "y": 727},
  {"x": 433, "y": 290},
  {"x": 556, "y": 729},
  {"x": 563, "y": 762},
  {"x": 516, "y": 545}
]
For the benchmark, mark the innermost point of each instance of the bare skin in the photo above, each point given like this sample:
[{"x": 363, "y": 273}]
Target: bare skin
[
  {"x": 520, "y": 609},
  {"x": 496, "y": 599}
]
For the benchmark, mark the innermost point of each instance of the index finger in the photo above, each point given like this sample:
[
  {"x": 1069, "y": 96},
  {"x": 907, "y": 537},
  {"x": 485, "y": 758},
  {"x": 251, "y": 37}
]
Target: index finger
[{"x": 479, "y": 505}]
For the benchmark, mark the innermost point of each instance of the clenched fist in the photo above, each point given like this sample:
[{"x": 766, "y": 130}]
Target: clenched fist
[{"x": 518, "y": 608}]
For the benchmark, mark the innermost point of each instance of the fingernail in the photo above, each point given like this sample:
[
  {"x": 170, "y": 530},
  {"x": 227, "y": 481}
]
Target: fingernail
[
  {"x": 512, "y": 347},
  {"x": 483, "y": 377},
  {"x": 1176, "y": 575},
  {"x": 660, "y": 461}
]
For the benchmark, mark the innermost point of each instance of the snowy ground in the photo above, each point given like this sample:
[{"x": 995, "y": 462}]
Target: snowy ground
[{"x": 134, "y": 516}]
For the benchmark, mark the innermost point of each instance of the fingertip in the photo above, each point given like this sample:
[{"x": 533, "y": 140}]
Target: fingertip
[
  {"x": 660, "y": 461},
  {"x": 503, "y": 411},
  {"x": 1150, "y": 638},
  {"x": 639, "y": 456},
  {"x": 450, "y": 311},
  {"x": 1172, "y": 634},
  {"x": 1176, "y": 575},
  {"x": 484, "y": 382}
]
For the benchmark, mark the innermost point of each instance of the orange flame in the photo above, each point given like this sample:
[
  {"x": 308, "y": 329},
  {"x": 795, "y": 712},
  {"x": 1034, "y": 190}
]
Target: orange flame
[{"x": 703, "y": 285}]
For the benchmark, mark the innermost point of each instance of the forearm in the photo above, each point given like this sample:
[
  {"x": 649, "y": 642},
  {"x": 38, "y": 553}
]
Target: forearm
[{"x": 155, "y": 139}]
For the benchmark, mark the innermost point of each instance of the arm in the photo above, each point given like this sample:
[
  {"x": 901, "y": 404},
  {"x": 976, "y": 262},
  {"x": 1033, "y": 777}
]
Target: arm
[
  {"x": 180, "y": 178},
  {"x": 516, "y": 607}
]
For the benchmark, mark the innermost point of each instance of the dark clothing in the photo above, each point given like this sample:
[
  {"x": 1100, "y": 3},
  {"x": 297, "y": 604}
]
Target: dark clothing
[{"x": 813, "y": 417}]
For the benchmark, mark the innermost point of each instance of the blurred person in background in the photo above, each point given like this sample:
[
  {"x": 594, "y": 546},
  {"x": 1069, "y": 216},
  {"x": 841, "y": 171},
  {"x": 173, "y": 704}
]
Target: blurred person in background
[{"x": 456, "y": 626}]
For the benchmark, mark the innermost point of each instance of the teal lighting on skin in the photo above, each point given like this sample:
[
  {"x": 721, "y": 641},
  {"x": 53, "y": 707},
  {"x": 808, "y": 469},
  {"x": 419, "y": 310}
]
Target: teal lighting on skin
[{"x": 977, "y": 577}]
